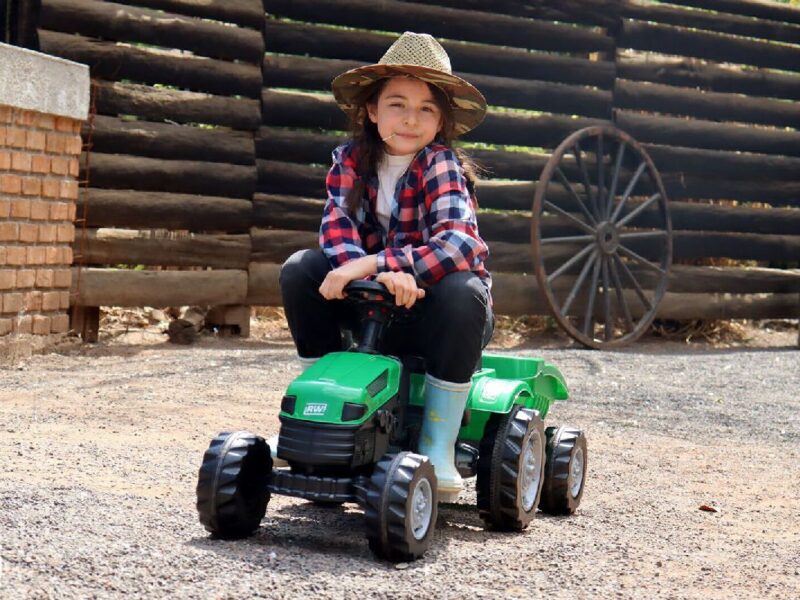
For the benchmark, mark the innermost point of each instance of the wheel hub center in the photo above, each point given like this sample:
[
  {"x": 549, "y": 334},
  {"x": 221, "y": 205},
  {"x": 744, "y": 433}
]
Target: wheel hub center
[{"x": 607, "y": 237}]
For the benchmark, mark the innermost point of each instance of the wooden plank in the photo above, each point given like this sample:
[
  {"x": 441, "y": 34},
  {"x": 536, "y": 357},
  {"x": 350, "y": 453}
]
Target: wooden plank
[
  {"x": 277, "y": 245},
  {"x": 167, "y": 140},
  {"x": 154, "y": 210},
  {"x": 107, "y": 60},
  {"x": 121, "y": 23},
  {"x": 713, "y": 21},
  {"x": 714, "y": 106},
  {"x": 294, "y": 109},
  {"x": 118, "y": 171},
  {"x": 247, "y": 13},
  {"x": 758, "y": 9},
  {"x": 127, "y": 287},
  {"x": 690, "y": 72},
  {"x": 325, "y": 42},
  {"x": 317, "y": 73},
  {"x": 713, "y": 46},
  {"x": 263, "y": 287},
  {"x": 176, "y": 105},
  {"x": 127, "y": 246},
  {"x": 705, "y": 134},
  {"x": 473, "y": 26}
]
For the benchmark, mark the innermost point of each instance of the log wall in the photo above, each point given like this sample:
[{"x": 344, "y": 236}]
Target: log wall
[{"x": 215, "y": 124}]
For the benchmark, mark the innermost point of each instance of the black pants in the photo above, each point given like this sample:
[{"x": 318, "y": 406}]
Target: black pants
[{"x": 448, "y": 328}]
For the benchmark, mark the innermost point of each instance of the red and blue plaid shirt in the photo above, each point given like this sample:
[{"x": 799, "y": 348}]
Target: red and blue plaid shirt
[{"x": 432, "y": 229}]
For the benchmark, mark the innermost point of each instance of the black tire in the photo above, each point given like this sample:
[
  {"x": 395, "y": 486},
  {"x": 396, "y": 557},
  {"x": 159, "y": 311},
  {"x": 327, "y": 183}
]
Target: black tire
[
  {"x": 397, "y": 481},
  {"x": 565, "y": 470},
  {"x": 507, "y": 498},
  {"x": 232, "y": 493}
]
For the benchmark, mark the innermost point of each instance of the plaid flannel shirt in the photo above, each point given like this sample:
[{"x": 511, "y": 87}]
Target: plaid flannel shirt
[{"x": 432, "y": 229}]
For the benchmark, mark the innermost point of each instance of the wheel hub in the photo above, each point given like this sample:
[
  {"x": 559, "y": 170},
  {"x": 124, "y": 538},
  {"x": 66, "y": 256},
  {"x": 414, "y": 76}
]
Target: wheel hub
[
  {"x": 576, "y": 473},
  {"x": 607, "y": 237},
  {"x": 531, "y": 471},
  {"x": 421, "y": 509}
]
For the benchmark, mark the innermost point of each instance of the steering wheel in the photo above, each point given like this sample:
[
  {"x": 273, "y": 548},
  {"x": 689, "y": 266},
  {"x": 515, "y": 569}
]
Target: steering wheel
[{"x": 372, "y": 292}]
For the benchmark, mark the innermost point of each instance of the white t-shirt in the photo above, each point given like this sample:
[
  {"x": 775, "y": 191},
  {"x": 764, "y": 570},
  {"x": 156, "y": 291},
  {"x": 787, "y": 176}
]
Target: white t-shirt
[{"x": 390, "y": 169}]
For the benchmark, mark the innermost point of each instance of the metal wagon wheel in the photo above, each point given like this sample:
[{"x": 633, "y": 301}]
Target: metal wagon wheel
[{"x": 601, "y": 237}]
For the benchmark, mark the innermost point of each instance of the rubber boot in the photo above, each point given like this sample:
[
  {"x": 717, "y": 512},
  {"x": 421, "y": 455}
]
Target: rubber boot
[
  {"x": 279, "y": 463},
  {"x": 444, "y": 408}
]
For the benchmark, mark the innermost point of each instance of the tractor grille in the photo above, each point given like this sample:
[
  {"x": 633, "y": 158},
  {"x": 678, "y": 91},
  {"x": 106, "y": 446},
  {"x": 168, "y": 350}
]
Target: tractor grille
[{"x": 318, "y": 444}]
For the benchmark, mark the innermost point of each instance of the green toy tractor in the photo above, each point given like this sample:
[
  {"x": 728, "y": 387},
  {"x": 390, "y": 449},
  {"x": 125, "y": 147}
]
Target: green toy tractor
[{"x": 349, "y": 430}]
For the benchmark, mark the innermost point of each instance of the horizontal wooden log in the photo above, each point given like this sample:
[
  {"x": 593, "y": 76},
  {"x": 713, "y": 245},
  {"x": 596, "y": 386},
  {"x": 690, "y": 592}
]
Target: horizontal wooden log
[
  {"x": 176, "y": 105},
  {"x": 711, "y": 46},
  {"x": 247, "y": 13},
  {"x": 109, "y": 61},
  {"x": 132, "y": 247},
  {"x": 324, "y": 42},
  {"x": 695, "y": 133},
  {"x": 473, "y": 26},
  {"x": 714, "y": 106},
  {"x": 294, "y": 109},
  {"x": 316, "y": 74},
  {"x": 712, "y": 21},
  {"x": 119, "y": 171},
  {"x": 167, "y": 140},
  {"x": 263, "y": 287},
  {"x": 162, "y": 210},
  {"x": 691, "y": 72},
  {"x": 758, "y": 9},
  {"x": 121, "y": 23},
  {"x": 127, "y": 287},
  {"x": 775, "y": 193},
  {"x": 278, "y": 245}
]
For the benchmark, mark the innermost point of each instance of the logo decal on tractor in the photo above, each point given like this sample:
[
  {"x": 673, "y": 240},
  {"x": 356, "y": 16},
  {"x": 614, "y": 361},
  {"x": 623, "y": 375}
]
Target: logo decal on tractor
[{"x": 316, "y": 410}]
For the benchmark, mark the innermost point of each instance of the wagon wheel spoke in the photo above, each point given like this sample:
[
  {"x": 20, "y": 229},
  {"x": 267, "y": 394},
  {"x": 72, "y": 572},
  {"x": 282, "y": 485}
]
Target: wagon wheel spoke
[
  {"x": 641, "y": 259},
  {"x": 626, "y": 194},
  {"x": 574, "y": 220},
  {"x": 642, "y": 235},
  {"x": 612, "y": 190},
  {"x": 571, "y": 191},
  {"x": 575, "y": 259},
  {"x": 588, "y": 318},
  {"x": 635, "y": 282},
  {"x": 568, "y": 238},
  {"x": 626, "y": 312},
  {"x": 576, "y": 152},
  {"x": 636, "y": 211},
  {"x": 578, "y": 283}
]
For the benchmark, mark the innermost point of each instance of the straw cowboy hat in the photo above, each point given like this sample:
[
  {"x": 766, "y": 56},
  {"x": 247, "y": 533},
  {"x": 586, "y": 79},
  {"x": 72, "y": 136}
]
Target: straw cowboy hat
[{"x": 421, "y": 56}]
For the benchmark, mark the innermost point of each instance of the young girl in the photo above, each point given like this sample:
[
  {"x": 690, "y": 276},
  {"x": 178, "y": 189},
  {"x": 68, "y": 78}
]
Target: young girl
[{"x": 400, "y": 208}]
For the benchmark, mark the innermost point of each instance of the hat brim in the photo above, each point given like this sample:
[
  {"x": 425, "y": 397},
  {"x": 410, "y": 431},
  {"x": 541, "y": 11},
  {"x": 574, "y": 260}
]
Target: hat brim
[{"x": 468, "y": 104}]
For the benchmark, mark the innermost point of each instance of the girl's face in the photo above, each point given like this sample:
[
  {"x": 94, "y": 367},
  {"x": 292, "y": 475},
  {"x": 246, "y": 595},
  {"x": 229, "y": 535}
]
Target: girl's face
[{"x": 406, "y": 114}]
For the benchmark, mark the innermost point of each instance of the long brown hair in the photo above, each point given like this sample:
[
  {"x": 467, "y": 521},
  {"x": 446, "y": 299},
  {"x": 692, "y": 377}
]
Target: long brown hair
[{"x": 364, "y": 134}]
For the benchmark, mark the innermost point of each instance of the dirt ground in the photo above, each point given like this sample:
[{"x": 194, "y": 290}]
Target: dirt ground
[{"x": 102, "y": 444}]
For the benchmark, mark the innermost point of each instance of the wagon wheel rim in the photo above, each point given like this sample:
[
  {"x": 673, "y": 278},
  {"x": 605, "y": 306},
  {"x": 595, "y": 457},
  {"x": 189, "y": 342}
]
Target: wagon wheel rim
[{"x": 599, "y": 288}]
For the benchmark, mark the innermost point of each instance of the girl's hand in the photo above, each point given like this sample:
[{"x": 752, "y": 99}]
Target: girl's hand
[
  {"x": 403, "y": 286},
  {"x": 332, "y": 287}
]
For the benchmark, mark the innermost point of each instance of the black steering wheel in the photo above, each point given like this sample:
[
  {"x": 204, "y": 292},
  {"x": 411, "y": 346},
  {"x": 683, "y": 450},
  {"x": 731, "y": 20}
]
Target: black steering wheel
[{"x": 372, "y": 292}]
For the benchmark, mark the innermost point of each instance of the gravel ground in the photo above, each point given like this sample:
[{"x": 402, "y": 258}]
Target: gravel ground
[{"x": 102, "y": 446}]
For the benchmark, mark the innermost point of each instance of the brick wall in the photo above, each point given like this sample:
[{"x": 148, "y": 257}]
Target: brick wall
[{"x": 38, "y": 189}]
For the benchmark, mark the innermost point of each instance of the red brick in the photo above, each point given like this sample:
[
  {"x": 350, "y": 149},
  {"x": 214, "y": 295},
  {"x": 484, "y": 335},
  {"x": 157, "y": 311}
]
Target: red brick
[
  {"x": 35, "y": 140},
  {"x": 56, "y": 143},
  {"x": 63, "y": 300},
  {"x": 65, "y": 124},
  {"x": 52, "y": 255},
  {"x": 74, "y": 167},
  {"x": 66, "y": 233},
  {"x": 20, "y": 209},
  {"x": 59, "y": 211},
  {"x": 35, "y": 255},
  {"x": 10, "y": 184},
  {"x": 40, "y": 164},
  {"x": 22, "y": 324},
  {"x": 59, "y": 165},
  {"x": 33, "y": 301},
  {"x": 6, "y": 114},
  {"x": 13, "y": 302},
  {"x": 45, "y": 121},
  {"x": 8, "y": 279},
  {"x": 47, "y": 232},
  {"x": 50, "y": 188},
  {"x": 44, "y": 278},
  {"x": 52, "y": 300},
  {"x": 9, "y": 232},
  {"x": 2, "y": 255},
  {"x": 15, "y": 137},
  {"x": 5, "y": 208},
  {"x": 41, "y": 325},
  {"x": 28, "y": 233},
  {"x": 5, "y": 160},
  {"x": 66, "y": 256},
  {"x": 59, "y": 324},
  {"x": 40, "y": 210},
  {"x": 73, "y": 209},
  {"x": 68, "y": 189},
  {"x": 5, "y": 326},
  {"x": 31, "y": 186},
  {"x": 25, "y": 117},
  {"x": 62, "y": 278},
  {"x": 16, "y": 255},
  {"x": 74, "y": 145},
  {"x": 26, "y": 278},
  {"x": 3, "y": 130},
  {"x": 21, "y": 161}
]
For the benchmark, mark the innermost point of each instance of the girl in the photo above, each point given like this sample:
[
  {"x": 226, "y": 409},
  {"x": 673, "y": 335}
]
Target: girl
[{"x": 400, "y": 208}]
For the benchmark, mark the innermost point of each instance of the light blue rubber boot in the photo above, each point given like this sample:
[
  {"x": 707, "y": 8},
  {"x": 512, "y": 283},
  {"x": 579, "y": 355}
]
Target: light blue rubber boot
[
  {"x": 444, "y": 407},
  {"x": 273, "y": 441}
]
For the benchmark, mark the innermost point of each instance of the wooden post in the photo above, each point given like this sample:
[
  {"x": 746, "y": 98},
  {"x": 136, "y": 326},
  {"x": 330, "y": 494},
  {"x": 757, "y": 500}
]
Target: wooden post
[{"x": 231, "y": 320}]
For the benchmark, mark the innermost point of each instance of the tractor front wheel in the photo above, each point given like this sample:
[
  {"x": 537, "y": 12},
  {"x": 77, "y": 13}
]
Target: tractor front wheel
[{"x": 565, "y": 471}]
